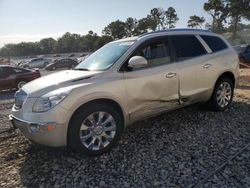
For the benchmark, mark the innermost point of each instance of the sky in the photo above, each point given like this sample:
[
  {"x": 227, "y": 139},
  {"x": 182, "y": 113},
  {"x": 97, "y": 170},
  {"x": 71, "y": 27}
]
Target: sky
[{"x": 32, "y": 20}]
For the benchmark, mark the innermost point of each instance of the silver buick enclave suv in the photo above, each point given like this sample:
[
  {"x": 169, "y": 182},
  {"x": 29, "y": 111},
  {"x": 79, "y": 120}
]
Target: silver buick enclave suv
[{"x": 126, "y": 80}]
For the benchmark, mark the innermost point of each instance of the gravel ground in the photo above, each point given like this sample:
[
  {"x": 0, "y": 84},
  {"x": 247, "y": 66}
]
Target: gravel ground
[{"x": 190, "y": 147}]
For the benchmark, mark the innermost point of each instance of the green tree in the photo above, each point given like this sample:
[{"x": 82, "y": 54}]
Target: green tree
[
  {"x": 150, "y": 22},
  {"x": 47, "y": 45},
  {"x": 196, "y": 21},
  {"x": 68, "y": 43},
  {"x": 130, "y": 26},
  {"x": 103, "y": 40},
  {"x": 142, "y": 26},
  {"x": 89, "y": 42},
  {"x": 171, "y": 18},
  {"x": 218, "y": 12},
  {"x": 155, "y": 18},
  {"x": 116, "y": 29},
  {"x": 238, "y": 10}
]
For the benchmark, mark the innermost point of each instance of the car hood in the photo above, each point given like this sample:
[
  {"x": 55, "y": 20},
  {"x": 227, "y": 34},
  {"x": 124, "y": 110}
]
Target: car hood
[{"x": 45, "y": 84}]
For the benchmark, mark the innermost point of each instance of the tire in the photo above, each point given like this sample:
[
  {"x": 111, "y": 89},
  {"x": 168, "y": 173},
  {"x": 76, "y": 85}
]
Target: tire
[
  {"x": 20, "y": 84},
  {"x": 53, "y": 68},
  {"x": 220, "y": 101},
  {"x": 93, "y": 132}
]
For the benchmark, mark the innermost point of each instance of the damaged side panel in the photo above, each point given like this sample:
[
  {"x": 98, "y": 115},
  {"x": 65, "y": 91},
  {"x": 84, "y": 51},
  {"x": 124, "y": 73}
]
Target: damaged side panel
[{"x": 150, "y": 92}]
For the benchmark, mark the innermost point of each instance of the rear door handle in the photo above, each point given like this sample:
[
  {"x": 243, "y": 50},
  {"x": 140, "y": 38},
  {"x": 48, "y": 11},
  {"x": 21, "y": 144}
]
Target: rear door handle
[
  {"x": 170, "y": 75},
  {"x": 206, "y": 66}
]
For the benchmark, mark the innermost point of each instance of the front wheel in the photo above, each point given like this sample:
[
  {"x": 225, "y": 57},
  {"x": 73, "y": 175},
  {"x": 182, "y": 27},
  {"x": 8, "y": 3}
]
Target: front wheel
[
  {"x": 222, "y": 95},
  {"x": 95, "y": 129}
]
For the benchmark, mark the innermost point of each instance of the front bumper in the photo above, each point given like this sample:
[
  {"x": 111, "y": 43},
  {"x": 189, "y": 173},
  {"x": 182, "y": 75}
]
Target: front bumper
[{"x": 45, "y": 133}]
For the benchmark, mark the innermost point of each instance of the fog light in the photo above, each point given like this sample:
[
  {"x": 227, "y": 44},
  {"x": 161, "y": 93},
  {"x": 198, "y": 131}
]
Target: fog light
[{"x": 41, "y": 128}]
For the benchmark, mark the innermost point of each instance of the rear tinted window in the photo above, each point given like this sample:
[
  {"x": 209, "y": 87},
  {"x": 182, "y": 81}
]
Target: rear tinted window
[
  {"x": 216, "y": 44},
  {"x": 187, "y": 46}
]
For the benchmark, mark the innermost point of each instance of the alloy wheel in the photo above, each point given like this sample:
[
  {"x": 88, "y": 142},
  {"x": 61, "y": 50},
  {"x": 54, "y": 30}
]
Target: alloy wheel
[
  {"x": 224, "y": 94},
  {"x": 97, "y": 130}
]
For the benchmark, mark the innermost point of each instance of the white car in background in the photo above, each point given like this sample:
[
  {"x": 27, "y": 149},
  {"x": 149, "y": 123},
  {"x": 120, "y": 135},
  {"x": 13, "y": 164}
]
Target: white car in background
[{"x": 36, "y": 63}]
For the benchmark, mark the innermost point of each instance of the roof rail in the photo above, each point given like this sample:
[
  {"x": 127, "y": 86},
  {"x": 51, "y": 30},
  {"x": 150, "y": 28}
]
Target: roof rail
[{"x": 172, "y": 30}]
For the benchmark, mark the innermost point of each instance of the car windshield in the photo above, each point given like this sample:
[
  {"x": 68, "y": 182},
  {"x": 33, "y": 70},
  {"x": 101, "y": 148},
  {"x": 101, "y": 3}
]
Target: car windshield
[{"x": 105, "y": 57}]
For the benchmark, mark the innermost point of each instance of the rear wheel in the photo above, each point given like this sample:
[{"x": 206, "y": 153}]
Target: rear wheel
[
  {"x": 95, "y": 129},
  {"x": 20, "y": 84},
  {"x": 222, "y": 94}
]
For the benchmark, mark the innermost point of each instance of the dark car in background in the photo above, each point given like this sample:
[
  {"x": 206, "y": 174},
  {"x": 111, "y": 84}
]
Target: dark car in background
[
  {"x": 72, "y": 55},
  {"x": 244, "y": 53},
  {"x": 62, "y": 64},
  {"x": 14, "y": 77},
  {"x": 36, "y": 63}
]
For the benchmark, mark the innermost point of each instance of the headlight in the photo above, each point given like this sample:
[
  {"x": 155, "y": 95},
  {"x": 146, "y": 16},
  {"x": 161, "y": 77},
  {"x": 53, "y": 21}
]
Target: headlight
[{"x": 48, "y": 101}]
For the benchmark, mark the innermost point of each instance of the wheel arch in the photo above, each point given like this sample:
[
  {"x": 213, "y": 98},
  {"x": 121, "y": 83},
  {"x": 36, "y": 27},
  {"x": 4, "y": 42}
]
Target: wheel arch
[
  {"x": 227, "y": 74},
  {"x": 107, "y": 101}
]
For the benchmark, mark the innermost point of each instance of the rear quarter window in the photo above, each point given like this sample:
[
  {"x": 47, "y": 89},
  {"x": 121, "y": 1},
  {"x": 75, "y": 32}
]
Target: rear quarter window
[{"x": 215, "y": 43}]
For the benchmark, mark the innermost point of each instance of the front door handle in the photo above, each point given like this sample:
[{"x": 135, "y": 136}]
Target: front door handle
[
  {"x": 170, "y": 75},
  {"x": 206, "y": 66}
]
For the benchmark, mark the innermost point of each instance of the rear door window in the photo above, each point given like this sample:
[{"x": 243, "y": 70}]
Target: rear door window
[
  {"x": 187, "y": 46},
  {"x": 215, "y": 43}
]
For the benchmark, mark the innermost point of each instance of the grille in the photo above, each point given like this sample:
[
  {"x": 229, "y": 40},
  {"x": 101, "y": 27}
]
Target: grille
[{"x": 20, "y": 97}]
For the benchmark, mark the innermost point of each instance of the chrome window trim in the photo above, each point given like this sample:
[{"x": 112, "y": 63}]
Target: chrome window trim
[{"x": 204, "y": 44}]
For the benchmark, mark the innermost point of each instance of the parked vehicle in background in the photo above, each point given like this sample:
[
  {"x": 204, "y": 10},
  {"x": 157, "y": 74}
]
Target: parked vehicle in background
[
  {"x": 72, "y": 55},
  {"x": 14, "y": 77},
  {"x": 244, "y": 53},
  {"x": 36, "y": 63},
  {"x": 62, "y": 63},
  {"x": 21, "y": 63},
  {"x": 127, "y": 80}
]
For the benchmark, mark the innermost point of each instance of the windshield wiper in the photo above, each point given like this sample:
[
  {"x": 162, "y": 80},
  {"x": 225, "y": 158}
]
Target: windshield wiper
[{"x": 82, "y": 69}]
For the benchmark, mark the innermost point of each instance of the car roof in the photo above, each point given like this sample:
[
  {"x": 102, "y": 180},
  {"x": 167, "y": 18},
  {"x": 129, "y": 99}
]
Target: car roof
[{"x": 180, "y": 31}]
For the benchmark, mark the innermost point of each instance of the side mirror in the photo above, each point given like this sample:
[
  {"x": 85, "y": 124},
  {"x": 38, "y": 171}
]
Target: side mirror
[{"x": 137, "y": 62}]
